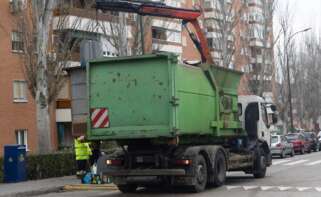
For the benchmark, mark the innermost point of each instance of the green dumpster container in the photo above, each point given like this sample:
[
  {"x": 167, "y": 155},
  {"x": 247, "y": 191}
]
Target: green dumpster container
[{"x": 153, "y": 96}]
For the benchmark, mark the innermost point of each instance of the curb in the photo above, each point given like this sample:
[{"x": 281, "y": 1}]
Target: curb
[
  {"x": 34, "y": 192},
  {"x": 82, "y": 187}
]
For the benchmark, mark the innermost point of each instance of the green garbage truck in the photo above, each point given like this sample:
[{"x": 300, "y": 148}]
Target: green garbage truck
[{"x": 176, "y": 124}]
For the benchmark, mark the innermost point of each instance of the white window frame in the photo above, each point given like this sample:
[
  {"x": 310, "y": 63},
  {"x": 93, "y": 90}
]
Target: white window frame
[
  {"x": 22, "y": 96},
  {"x": 19, "y": 133},
  {"x": 17, "y": 36}
]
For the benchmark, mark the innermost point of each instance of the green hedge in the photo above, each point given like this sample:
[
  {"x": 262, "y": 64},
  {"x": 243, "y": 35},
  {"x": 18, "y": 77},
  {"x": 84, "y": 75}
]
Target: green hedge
[{"x": 47, "y": 166}]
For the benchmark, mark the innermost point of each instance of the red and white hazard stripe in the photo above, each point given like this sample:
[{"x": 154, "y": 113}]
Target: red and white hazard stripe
[{"x": 99, "y": 118}]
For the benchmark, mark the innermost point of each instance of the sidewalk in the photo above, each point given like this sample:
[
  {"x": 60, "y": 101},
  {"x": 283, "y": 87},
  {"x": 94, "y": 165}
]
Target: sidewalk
[{"x": 32, "y": 188}]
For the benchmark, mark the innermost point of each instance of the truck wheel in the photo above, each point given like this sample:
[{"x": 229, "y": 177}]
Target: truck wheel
[
  {"x": 127, "y": 188},
  {"x": 219, "y": 169},
  {"x": 200, "y": 169},
  {"x": 259, "y": 165}
]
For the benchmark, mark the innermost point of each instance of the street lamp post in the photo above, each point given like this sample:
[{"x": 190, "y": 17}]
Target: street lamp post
[{"x": 288, "y": 73}]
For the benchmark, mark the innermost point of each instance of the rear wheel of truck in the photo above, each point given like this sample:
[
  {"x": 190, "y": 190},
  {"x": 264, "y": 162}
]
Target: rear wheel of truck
[
  {"x": 127, "y": 188},
  {"x": 260, "y": 165},
  {"x": 219, "y": 169},
  {"x": 200, "y": 169}
]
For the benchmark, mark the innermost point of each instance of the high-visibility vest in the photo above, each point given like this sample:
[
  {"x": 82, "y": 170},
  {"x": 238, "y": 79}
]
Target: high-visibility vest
[{"x": 82, "y": 150}]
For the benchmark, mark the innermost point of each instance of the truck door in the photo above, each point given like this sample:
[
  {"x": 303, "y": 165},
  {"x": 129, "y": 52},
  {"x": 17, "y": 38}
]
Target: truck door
[
  {"x": 263, "y": 124},
  {"x": 251, "y": 120}
]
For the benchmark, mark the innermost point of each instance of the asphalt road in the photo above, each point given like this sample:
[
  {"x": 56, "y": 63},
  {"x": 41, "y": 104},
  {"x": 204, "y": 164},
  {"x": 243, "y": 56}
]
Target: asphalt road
[{"x": 289, "y": 177}]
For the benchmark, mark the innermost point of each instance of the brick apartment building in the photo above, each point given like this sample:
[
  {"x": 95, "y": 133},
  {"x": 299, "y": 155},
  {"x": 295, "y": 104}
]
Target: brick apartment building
[
  {"x": 161, "y": 35},
  {"x": 17, "y": 108}
]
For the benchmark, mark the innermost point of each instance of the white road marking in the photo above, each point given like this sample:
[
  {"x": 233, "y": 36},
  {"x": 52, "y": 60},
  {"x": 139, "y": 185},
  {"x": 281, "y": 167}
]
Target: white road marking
[
  {"x": 301, "y": 189},
  {"x": 265, "y": 188},
  {"x": 313, "y": 163},
  {"x": 280, "y": 162},
  {"x": 284, "y": 188},
  {"x": 296, "y": 162},
  {"x": 250, "y": 187},
  {"x": 232, "y": 187}
]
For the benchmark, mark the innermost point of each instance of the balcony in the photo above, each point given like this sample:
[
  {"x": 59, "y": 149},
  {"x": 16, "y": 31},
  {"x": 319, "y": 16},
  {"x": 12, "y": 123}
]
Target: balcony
[
  {"x": 162, "y": 45},
  {"x": 256, "y": 60},
  {"x": 259, "y": 60},
  {"x": 254, "y": 3},
  {"x": 63, "y": 110},
  {"x": 216, "y": 55},
  {"x": 170, "y": 25},
  {"x": 86, "y": 21},
  {"x": 256, "y": 43},
  {"x": 213, "y": 14}
]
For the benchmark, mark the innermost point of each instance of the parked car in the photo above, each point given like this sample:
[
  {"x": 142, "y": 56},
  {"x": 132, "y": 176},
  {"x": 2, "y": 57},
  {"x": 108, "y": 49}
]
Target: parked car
[
  {"x": 281, "y": 147},
  {"x": 312, "y": 141},
  {"x": 298, "y": 141}
]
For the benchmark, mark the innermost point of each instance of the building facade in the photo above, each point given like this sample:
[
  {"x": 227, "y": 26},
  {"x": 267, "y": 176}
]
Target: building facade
[{"x": 17, "y": 108}]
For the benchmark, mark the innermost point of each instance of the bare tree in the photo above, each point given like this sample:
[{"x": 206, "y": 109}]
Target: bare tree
[
  {"x": 307, "y": 81},
  {"x": 263, "y": 71},
  {"x": 42, "y": 12},
  {"x": 47, "y": 50},
  {"x": 223, "y": 19},
  {"x": 285, "y": 50}
]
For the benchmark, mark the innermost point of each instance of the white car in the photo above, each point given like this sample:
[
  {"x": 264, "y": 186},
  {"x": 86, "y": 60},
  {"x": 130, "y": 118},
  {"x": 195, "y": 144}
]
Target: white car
[{"x": 281, "y": 147}]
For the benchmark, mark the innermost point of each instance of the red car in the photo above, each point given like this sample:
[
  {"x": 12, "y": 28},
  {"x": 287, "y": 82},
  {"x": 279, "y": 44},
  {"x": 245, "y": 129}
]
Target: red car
[{"x": 300, "y": 145}]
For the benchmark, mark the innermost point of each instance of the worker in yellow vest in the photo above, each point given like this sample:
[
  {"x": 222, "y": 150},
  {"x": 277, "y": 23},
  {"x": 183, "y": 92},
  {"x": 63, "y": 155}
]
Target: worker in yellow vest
[{"x": 83, "y": 153}]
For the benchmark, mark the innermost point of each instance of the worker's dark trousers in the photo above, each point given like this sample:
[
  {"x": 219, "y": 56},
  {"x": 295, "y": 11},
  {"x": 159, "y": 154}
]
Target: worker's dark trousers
[{"x": 82, "y": 165}]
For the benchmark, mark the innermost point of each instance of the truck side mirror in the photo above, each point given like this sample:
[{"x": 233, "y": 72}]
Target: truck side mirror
[
  {"x": 274, "y": 118},
  {"x": 273, "y": 107}
]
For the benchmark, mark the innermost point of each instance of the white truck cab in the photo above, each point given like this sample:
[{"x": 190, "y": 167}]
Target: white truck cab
[{"x": 257, "y": 115}]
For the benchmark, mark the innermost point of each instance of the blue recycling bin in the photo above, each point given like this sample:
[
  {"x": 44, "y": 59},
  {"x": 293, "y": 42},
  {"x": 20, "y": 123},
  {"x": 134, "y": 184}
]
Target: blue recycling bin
[{"x": 14, "y": 163}]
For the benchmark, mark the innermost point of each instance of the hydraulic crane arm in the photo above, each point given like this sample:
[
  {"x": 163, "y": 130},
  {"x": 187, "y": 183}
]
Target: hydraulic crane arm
[{"x": 159, "y": 9}]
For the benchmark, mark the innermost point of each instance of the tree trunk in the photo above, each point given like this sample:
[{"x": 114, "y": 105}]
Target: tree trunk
[
  {"x": 43, "y": 12},
  {"x": 43, "y": 128}
]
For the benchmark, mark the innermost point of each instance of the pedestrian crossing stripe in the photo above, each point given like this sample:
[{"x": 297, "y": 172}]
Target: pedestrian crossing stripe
[
  {"x": 313, "y": 163},
  {"x": 272, "y": 188},
  {"x": 280, "y": 162},
  {"x": 265, "y": 188},
  {"x": 296, "y": 162},
  {"x": 301, "y": 189},
  {"x": 284, "y": 188},
  {"x": 288, "y": 162},
  {"x": 250, "y": 187}
]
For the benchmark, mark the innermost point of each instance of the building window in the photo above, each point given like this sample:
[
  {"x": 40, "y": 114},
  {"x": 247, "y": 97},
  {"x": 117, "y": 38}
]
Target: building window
[
  {"x": 22, "y": 137},
  {"x": 17, "y": 6},
  {"x": 159, "y": 33},
  {"x": 20, "y": 91},
  {"x": 17, "y": 41}
]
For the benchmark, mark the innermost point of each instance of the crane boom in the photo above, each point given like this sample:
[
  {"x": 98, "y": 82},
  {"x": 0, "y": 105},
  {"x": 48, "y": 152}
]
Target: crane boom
[{"x": 159, "y": 9}]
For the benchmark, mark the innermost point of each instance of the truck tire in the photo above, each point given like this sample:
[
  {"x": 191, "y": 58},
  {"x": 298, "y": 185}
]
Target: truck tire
[
  {"x": 259, "y": 165},
  {"x": 200, "y": 169},
  {"x": 219, "y": 169},
  {"x": 127, "y": 188}
]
